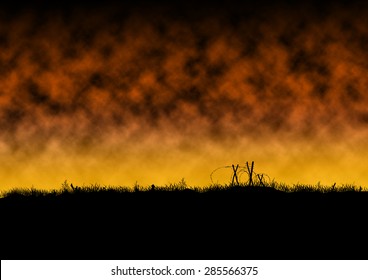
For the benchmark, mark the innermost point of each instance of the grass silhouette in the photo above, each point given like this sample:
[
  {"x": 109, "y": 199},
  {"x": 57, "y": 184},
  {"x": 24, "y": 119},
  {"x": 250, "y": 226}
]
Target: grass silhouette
[
  {"x": 262, "y": 221},
  {"x": 273, "y": 187},
  {"x": 255, "y": 183}
]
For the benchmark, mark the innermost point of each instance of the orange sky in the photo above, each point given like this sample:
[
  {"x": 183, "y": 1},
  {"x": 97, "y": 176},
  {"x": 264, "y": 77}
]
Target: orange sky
[{"x": 153, "y": 98}]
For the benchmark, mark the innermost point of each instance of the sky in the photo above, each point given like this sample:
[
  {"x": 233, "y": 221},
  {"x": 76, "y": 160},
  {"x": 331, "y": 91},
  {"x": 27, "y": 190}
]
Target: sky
[{"x": 150, "y": 93}]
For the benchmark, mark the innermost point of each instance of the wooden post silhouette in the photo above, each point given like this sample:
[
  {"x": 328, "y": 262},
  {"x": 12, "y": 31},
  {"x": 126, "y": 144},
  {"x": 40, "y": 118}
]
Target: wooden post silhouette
[
  {"x": 250, "y": 172},
  {"x": 235, "y": 175},
  {"x": 260, "y": 178}
]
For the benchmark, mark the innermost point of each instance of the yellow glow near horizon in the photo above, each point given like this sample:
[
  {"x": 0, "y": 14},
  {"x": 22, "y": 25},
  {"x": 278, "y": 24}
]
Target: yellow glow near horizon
[{"x": 289, "y": 163}]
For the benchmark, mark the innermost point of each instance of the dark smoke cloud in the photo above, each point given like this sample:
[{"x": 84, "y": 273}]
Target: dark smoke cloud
[{"x": 148, "y": 66}]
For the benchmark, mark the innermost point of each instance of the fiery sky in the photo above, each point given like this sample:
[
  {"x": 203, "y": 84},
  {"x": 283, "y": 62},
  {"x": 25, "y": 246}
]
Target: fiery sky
[{"x": 153, "y": 94}]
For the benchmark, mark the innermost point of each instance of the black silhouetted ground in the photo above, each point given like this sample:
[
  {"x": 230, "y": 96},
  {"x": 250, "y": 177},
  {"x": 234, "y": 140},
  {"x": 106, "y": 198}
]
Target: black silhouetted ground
[{"x": 222, "y": 222}]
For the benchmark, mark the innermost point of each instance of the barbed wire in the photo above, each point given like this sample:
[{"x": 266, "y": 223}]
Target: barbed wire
[
  {"x": 217, "y": 169},
  {"x": 238, "y": 171}
]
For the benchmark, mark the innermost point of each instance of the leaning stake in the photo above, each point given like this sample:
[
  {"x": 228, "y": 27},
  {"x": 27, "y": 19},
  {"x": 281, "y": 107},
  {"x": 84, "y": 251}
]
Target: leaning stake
[
  {"x": 250, "y": 171},
  {"x": 235, "y": 175}
]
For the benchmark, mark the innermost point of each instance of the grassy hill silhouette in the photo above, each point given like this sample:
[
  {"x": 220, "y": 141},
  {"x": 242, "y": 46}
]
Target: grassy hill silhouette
[{"x": 258, "y": 222}]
